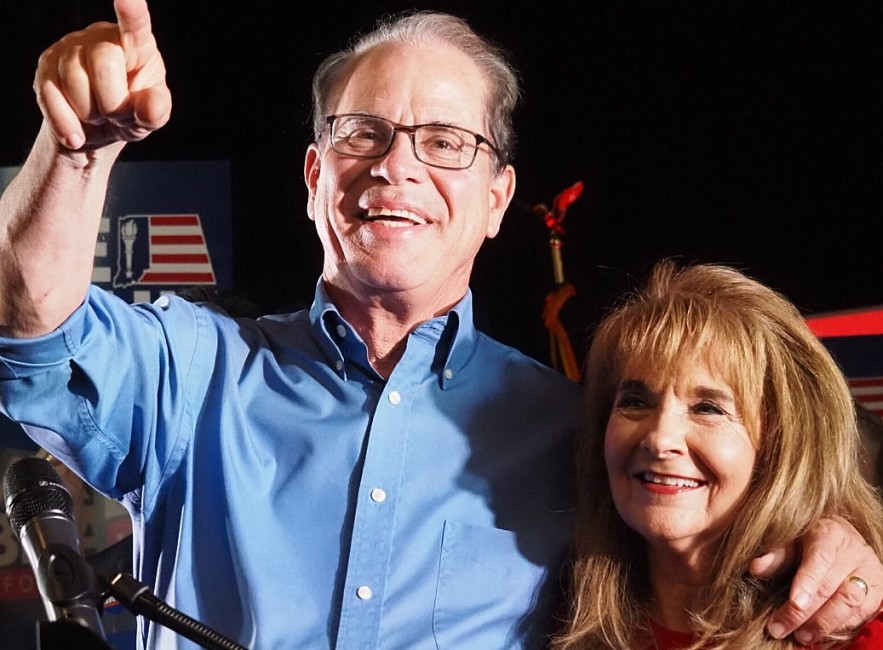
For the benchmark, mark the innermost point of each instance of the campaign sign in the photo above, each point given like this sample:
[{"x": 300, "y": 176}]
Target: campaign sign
[{"x": 166, "y": 226}]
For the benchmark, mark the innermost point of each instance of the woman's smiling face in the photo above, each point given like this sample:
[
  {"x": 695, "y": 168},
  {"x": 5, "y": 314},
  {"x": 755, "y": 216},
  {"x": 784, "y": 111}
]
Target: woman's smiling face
[{"x": 679, "y": 457}]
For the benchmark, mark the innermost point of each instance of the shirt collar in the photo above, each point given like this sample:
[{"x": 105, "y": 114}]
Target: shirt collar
[{"x": 339, "y": 341}]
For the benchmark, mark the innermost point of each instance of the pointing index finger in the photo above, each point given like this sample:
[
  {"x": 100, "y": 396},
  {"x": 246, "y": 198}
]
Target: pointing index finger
[{"x": 133, "y": 20}]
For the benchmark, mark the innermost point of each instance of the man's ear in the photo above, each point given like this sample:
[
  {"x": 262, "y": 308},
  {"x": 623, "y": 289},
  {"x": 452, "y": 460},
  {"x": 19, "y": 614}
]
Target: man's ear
[
  {"x": 312, "y": 167},
  {"x": 502, "y": 190}
]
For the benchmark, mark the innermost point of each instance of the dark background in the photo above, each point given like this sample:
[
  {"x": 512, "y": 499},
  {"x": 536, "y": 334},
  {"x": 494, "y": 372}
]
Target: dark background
[{"x": 747, "y": 133}]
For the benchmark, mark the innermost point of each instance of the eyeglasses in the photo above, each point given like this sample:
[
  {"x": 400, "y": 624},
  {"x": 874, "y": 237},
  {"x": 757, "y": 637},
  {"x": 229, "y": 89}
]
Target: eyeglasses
[{"x": 437, "y": 145}]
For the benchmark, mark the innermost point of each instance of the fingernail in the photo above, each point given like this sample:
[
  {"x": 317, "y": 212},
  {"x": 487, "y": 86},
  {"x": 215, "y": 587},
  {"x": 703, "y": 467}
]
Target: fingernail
[
  {"x": 803, "y": 637},
  {"x": 75, "y": 141},
  {"x": 801, "y": 599},
  {"x": 776, "y": 630}
]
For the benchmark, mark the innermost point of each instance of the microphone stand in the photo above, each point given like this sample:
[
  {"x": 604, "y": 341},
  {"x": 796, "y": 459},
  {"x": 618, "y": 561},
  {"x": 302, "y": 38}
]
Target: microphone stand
[{"x": 138, "y": 599}]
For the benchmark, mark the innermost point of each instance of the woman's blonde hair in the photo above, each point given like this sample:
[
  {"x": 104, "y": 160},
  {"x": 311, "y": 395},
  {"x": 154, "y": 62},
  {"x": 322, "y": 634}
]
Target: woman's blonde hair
[{"x": 798, "y": 410}]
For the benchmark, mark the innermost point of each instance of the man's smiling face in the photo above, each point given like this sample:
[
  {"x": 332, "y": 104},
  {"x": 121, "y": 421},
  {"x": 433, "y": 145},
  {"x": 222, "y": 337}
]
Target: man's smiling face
[{"x": 394, "y": 224}]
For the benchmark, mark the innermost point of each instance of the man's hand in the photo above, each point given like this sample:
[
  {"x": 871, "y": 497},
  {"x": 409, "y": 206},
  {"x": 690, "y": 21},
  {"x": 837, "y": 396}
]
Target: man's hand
[
  {"x": 823, "y": 599},
  {"x": 106, "y": 83}
]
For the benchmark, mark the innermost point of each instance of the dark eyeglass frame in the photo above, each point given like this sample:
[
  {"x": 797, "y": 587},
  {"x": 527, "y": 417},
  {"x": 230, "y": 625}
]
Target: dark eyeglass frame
[{"x": 411, "y": 130}]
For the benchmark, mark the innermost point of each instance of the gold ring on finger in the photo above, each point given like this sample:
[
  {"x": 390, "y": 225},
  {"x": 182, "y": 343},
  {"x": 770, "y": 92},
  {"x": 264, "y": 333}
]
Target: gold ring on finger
[{"x": 860, "y": 582}]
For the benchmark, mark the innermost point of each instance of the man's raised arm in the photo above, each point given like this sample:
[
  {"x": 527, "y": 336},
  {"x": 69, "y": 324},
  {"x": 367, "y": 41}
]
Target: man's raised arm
[{"x": 98, "y": 89}]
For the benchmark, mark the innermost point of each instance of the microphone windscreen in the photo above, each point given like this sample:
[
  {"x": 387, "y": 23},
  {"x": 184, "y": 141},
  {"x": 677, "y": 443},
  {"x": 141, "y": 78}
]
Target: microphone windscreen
[{"x": 32, "y": 486}]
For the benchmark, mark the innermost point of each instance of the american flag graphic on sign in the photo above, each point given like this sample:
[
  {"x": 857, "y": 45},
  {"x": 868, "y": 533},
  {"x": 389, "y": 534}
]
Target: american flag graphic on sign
[
  {"x": 167, "y": 249},
  {"x": 145, "y": 255},
  {"x": 869, "y": 392},
  {"x": 181, "y": 215}
]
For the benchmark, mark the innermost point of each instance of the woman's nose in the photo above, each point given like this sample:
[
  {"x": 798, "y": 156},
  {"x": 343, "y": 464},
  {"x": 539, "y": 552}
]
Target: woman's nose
[{"x": 666, "y": 433}]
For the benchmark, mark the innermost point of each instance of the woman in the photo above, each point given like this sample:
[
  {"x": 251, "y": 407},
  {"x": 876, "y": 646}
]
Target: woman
[{"x": 718, "y": 426}]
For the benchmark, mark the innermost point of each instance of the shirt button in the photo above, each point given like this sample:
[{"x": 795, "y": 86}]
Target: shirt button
[
  {"x": 364, "y": 592},
  {"x": 378, "y": 495},
  {"x": 341, "y": 331},
  {"x": 162, "y": 302},
  {"x": 448, "y": 373},
  {"x": 338, "y": 365},
  {"x": 395, "y": 397}
]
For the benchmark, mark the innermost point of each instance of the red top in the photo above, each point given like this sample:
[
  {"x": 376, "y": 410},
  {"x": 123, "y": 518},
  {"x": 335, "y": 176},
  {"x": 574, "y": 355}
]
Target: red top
[
  {"x": 869, "y": 638},
  {"x": 669, "y": 639}
]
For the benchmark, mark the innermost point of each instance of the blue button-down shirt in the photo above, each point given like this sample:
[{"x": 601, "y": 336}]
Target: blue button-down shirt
[{"x": 285, "y": 494}]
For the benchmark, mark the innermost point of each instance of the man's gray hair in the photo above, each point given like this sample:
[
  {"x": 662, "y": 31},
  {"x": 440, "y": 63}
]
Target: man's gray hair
[{"x": 422, "y": 28}]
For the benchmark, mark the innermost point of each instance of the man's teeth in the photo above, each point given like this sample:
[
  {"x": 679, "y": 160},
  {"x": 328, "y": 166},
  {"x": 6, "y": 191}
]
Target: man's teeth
[
  {"x": 381, "y": 213},
  {"x": 670, "y": 480}
]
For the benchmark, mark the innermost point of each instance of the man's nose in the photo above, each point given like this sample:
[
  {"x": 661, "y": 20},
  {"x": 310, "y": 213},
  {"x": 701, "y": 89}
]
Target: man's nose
[{"x": 400, "y": 163}]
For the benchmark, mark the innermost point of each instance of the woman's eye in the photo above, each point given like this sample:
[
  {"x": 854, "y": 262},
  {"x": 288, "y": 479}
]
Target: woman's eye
[
  {"x": 708, "y": 408},
  {"x": 630, "y": 402}
]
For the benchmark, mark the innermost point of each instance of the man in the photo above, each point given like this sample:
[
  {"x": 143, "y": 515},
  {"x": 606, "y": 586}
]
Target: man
[{"x": 373, "y": 473}]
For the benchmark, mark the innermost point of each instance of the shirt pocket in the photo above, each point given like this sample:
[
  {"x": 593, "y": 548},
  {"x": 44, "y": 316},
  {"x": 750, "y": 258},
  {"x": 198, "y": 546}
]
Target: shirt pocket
[{"x": 486, "y": 590}]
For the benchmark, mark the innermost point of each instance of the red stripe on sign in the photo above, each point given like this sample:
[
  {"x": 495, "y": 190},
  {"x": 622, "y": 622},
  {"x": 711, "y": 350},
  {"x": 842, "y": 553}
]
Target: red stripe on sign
[
  {"x": 868, "y": 391},
  {"x": 179, "y": 258},
  {"x": 176, "y": 239},
  {"x": 18, "y": 584},
  {"x": 174, "y": 220},
  {"x": 153, "y": 277},
  {"x": 871, "y": 381},
  {"x": 858, "y": 323}
]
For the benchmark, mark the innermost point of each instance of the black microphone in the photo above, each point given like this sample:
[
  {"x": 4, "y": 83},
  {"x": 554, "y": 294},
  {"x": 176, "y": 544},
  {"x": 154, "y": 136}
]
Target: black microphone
[{"x": 40, "y": 511}]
